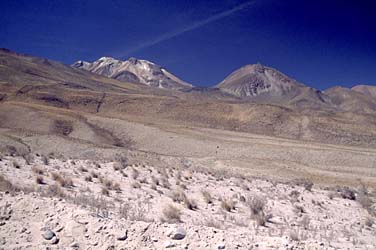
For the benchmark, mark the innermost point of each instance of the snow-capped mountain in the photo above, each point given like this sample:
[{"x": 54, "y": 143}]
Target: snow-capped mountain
[
  {"x": 135, "y": 71},
  {"x": 256, "y": 81}
]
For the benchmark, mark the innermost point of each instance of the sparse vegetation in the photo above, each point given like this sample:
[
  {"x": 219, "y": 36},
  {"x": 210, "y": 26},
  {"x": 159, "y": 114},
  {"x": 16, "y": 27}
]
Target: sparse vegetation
[
  {"x": 178, "y": 196},
  {"x": 105, "y": 191},
  {"x": 39, "y": 180},
  {"x": 207, "y": 196},
  {"x": 37, "y": 170},
  {"x": 83, "y": 169},
  {"x": 16, "y": 165},
  {"x": 88, "y": 178},
  {"x": 29, "y": 159},
  {"x": 135, "y": 173},
  {"x": 136, "y": 184},
  {"x": 45, "y": 160},
  {"x": 171, "y": 214},
  {"x": 256, "y": 204},
  {"x": 228, "y": 204}
]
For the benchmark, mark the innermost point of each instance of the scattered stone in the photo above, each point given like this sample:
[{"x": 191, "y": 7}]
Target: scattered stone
[
  {"x": 54, "y": 240},
  {"x": 221, "y": 246},
  {"x": 177, "y": 233},
  {"x": 74, "y": 245},
  {"x": 123, "y": 237},
  {"x": 48, "y": 234},
  {"x": 169, "y": 244}
]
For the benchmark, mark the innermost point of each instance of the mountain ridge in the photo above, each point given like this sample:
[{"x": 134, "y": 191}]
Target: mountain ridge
[{"x": 135, "y": 71}]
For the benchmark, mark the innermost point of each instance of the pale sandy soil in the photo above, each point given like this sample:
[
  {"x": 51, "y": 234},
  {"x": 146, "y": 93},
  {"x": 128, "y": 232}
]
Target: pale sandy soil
[{"x": 82, "y": 216}]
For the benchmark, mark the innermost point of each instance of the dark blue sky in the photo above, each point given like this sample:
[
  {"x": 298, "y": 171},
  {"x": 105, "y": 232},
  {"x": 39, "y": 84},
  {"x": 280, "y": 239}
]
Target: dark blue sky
[{"x": 320, "y": 43}]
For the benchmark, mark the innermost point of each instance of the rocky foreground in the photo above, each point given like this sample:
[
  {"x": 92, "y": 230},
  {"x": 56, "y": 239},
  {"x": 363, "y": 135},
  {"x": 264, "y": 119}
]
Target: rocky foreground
[{"x": 50, "y": 203}]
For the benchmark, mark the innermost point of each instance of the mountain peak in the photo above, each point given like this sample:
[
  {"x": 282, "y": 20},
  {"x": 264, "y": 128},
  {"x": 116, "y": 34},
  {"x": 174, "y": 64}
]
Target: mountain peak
[{"x": 134, "y": 70}]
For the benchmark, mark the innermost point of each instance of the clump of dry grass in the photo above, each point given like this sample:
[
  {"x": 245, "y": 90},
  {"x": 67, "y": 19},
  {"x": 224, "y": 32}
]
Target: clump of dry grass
[
  {"x": 135, "y": 173},
  {"x": 116, "y": 166},
  {"x": 37, "y": 170},
  {"x": 207, "y": 196},
  {"x": 16, "y": 165},
  {"x": 29, "y": 159},
  {"x": 228, "y": 204},
  {"x": 116, "y": 187},
  {"x": 171, "y": 214},
  {"x": 94, "y": 174},
  {"x": 83, "y": 169},
  {"x": 144, "y": 180},
  {"x": 7, "y": 186},
  {"x": 136, "y": 185},
  {"x": 347, "y": 193},
  {"x": 105, "y": 191},
  {"x": 165, "y": 183},
  {"x": 88, "y": 178},
  {"x": 39, "y": 180},
  {"x": 45, "y": 160},
  {"x": 190, "y": 204},
  {"x": 178, "y": 196},
  {"x": 369, "y": 222},
  {"x": 256, "y": 204},
  {"x": 299, "y": 209},
  {"x": 307, "y": 184},
  {"x": 62, "y": 180}
]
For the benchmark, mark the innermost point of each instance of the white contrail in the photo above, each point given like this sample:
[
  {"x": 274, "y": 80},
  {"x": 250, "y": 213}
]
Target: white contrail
[{"x": 190, "y": 27}]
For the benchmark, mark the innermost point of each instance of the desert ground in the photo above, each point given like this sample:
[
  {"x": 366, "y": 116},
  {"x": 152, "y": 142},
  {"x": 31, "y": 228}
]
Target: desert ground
[{"x": 88, "y": 162}]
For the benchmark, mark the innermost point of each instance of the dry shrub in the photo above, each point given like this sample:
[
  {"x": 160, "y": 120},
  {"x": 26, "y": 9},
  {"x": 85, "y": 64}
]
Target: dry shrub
[
  {"x": 153, "y": 186},
  {"x": 135, "y": 174},
  {"x": 105, "y": 191},
  {"x": 16, "y": 165},
  {"x": 256, "y": 204},
  {"x": 116, "y": 166},
  {"x": 37, "y": 170},
  {"x": 294, "y": 235},
  {"x": 45, "y": 160},
  {"x": 165, "y": 183},
  {"x": 116, "y": 187},
  {"x": 94, "y": 174},
  {"x": 190, "y": 204},
  {"x": 211, "y": 222},
  {"x": 62, "y": 180},
  {"x": 123, "y": 160},
  {"x": 39, "y": 180},
  {"x": 88, "y": 178},
  {"x": 366, "y": 202},
  {"x": 124, "y": 174},
  {"x": 171, "y": 214},
  {"x": 307, "y": 184},
  {"x": 107, "y": 183},
  {"x": 262, "y": 218},
  {"x": 155, "y": 181},
  {"x": 55, "y": 191},
  {"x": 369, "y": 222},
  {"x": 299, "y": 209},
  {"x": 7, "y": 186},
  {"x": 83, "y": 169},
  {"x": 135, "y": 184},
  {"x": 29, "y": 159},
  {"x": 144, "y": 180},
  {"x": 347, "y": 193},
  {"x": 207, "y": 196},
  {"x": 178, "y": 196},
  {"x": 294, "y": 195},
  {"x": 228, "y": 204}
]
